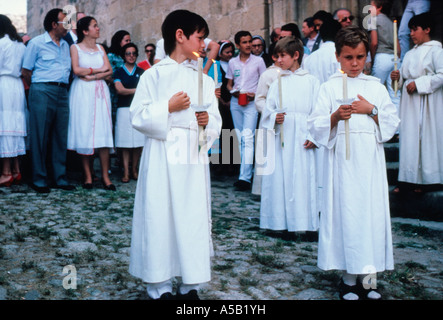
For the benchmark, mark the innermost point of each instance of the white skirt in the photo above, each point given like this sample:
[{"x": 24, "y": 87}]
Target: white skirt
[
  {"x": 12, "y": 117},
  {"x": 125, "y": 135},
  {"x": 90, "y": 122},
  {"x": 11, "y": 146}
]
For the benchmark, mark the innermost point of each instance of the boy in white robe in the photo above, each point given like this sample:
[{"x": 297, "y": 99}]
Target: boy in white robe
[
  {"x": 265, "y": 81},
  {"x": 421, "y": 108},
  {"x": 288, "y": 199},
  {"x": 171, "y": 224},
  {"x": 355, "y": 230}
]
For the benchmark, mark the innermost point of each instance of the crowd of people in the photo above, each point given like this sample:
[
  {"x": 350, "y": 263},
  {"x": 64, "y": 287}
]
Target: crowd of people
[{"x": 309, "y": 113}]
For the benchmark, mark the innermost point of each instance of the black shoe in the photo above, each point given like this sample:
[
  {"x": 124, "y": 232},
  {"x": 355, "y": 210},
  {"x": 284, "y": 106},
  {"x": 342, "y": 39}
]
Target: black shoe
[
  {"x": 363, "y": 293},
  {"x": 344, "y": 289},
  {"x": 191, "y": 295},
  {"x": 87, "y": 186},
  {"x": 40, "y": 189},
  {"x": 109, "y": 187},
  {"x": 67, "y": 187},
  {"x": 166, "y": 296},
  {"x": 242, "y": 185}
]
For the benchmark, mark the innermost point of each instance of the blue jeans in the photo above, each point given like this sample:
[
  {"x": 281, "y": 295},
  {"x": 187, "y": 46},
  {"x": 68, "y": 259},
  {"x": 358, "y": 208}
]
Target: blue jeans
[
  {"x": 245, "y": 122},
  {"x": 382, "y": 68},
  {"x": 413, "y": 8}
]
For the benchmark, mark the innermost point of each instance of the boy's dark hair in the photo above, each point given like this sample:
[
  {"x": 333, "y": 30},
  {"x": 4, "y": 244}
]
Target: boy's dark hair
[
  {"x": 329, "y": 29},
  {"x": 385, "y": 5},
  {"x": 185, "y": 20},
  {"x": 83, "y": 25},
  {"x": 126, "y": 46},
  {"x": 351, "y": 36},
  {"x": 293, "y": 28},
  {"x": 290, "y": 45},
  {"x": 423, "y": 20},
  {"x": 116, "y": 40},
  {"x": 51, "y": 16},
  {"x": 241, "y": 34}
]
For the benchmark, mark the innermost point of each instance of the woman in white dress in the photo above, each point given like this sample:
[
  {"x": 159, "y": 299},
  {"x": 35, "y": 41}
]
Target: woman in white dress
[
  {"x": 90, "y": 122},
  {"x": 12, "y": 103}
]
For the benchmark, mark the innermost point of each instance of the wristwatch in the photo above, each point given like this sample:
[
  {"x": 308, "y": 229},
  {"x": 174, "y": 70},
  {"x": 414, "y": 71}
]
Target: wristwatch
[{"x": 374, "y": 112}]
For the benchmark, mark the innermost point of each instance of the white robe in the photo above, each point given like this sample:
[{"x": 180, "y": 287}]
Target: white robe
[
  {"x": 355, "y": 229},
  {"x": 288, "y": 199},
  {"x": 322, "y": 64},
  {"x": 172, "y": 209},
  {"x": 421, "y": 114},
  {"x": 265, "y": 81}
]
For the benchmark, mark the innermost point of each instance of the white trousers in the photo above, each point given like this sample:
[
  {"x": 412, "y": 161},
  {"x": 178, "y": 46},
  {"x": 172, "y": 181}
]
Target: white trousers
[
  {"x": 245, "y": 122},
  {"x": 382, "y": 68}
]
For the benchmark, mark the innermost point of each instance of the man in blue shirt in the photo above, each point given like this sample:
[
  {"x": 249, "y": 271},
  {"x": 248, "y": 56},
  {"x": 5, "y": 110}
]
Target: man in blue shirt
[{"x": 46, "y": 67}]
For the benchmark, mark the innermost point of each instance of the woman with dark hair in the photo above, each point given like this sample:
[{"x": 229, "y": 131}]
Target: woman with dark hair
[
  {"x": 119, "y": 39},
  {"x": 90, "y": 123},
  {"x": 12, "y": 102},
  {"x": 129, "y": 140}
]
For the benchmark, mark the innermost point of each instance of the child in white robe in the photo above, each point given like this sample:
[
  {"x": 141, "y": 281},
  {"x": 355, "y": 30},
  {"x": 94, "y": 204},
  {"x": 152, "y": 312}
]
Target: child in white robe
[
  {"x": 355, "y": 230},
  {"x": 288, "y": 198},
  {"x": 421, "y": 109},
  {"x": 172, "y": 210}
]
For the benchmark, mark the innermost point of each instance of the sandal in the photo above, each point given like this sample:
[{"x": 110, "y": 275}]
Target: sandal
[{"x": 344, "y": 289}]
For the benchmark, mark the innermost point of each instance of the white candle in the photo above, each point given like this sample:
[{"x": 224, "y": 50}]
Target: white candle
[
  {"x": 215, "y": 72},
  {"x": 280, "y": 100},
  {"x": 395, "y": 39},
  {"x": 395, "y": 55},
  {"x": 345, "y": 97},
  {"x": 200, "y": 81}
]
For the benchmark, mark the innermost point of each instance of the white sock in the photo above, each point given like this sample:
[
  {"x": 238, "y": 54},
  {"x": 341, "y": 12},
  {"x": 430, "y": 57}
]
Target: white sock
[{"x": 350, "y": 280}]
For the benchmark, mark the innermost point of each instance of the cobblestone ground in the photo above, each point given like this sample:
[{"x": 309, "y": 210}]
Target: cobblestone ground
[{"x": 45, "y": 238}]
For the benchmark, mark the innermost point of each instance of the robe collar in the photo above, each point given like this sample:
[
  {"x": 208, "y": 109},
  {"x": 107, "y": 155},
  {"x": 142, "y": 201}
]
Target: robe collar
[
  {"x": 361, "y": 76},
  {"x": 430, "y": 44}
]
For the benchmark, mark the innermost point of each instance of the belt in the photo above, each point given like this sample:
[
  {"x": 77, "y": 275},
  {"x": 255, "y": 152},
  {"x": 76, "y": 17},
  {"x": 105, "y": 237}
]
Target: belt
[{"x": 58, "y": 84}]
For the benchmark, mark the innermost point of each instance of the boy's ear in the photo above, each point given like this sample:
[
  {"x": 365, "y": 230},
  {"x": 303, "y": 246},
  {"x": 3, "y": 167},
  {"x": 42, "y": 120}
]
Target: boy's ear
[
  {"x": 179, "y": 35},
  {"x": 296, "y": 55}
]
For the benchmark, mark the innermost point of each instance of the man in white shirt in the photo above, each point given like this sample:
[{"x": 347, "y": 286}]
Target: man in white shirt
[{"x": 243, "y": 74}]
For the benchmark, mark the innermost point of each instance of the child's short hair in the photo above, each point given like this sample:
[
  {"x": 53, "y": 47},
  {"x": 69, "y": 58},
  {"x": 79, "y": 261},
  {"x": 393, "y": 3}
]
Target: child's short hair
[
  {"x": 241, "y": 34},
  {"x": 351, "y": 36},
  {"x": 185, "y": 20},
  {"x": 385, "y": 6},
  {"x": 423, "y": 20},
  {"x": 290, "y": 45}
]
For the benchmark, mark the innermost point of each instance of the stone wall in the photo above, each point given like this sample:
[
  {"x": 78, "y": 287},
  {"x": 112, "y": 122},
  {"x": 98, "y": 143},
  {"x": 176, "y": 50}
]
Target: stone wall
[{"x": 143, "y": 18}]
